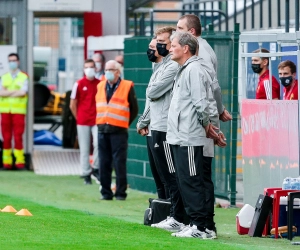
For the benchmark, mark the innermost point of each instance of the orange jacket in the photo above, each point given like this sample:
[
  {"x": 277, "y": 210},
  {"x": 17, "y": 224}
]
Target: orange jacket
[{"x": 116, "y": 112}]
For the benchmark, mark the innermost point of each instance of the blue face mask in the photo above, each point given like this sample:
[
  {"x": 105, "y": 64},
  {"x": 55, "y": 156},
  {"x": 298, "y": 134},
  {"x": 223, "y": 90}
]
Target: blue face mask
[
  {"x": 13, "y": 65},
  {"x": 109, "y": 76}
]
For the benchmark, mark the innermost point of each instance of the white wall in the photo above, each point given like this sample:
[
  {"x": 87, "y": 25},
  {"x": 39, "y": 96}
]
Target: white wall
[
  {"x": 113, "y": 16},
  {"x": 113, "y": 19}
]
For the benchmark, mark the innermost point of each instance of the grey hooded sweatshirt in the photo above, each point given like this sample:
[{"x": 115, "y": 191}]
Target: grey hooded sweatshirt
[
  {"x": 158, "y": 92},
  {"x": 209, "y": 146},
  {"x": 189, "y": 108},
  {"x": 144, "y": 120},
  {"x": 207, "y": 53}
]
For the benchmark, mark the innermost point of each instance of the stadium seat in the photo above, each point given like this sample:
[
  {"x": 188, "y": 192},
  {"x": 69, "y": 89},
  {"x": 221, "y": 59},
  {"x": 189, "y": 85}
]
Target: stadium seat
[{"x": 269, "y": 192}]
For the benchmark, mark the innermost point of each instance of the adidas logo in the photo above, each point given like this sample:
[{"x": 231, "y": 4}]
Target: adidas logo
[{"x": 156, "y": 145}]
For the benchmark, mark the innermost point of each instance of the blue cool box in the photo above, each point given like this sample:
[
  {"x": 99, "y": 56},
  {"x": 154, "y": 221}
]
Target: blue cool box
[{"x": 283, "y": 214}]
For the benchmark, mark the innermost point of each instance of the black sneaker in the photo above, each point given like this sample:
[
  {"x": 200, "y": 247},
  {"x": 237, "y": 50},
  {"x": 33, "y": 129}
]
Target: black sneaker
[
  {"x": 95, "y": 176},
  {"x": 106, "y": 198},
  {"x": 120, "y": 198},
  {"x": 87, "y": 180}
]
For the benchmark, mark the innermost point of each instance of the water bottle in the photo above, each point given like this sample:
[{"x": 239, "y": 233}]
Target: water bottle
[
  {"x": 298, "y": 183},
  {"x": 294, "y": 183},
  {"x": 286, "y": 183}
]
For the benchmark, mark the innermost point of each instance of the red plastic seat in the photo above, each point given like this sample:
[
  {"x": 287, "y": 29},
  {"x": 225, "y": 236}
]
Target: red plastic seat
[{"x": 269, "y": 192}]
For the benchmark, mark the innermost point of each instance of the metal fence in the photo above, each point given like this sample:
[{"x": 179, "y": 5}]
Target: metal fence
[
  {"x": 223, "y": 15},
  {"x": 58, "y": 51}
]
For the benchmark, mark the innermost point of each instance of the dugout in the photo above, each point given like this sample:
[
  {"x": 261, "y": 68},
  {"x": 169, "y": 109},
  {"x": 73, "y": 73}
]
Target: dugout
[{"x": 270, "y": 128}]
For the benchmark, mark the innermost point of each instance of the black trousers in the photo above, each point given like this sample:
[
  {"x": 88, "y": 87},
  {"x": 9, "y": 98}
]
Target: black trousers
[
  {"x": 188, "y": 163},
  {"x": 113, "y": 148},
  {"x": 163, "y": 160},
  {"x": 160, "y": 183},
  {"x": 209, "y": 193}
]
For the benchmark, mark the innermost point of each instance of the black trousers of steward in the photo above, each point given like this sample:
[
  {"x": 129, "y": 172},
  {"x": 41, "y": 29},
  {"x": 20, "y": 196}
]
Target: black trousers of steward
[{"x": 113, "y": 149}]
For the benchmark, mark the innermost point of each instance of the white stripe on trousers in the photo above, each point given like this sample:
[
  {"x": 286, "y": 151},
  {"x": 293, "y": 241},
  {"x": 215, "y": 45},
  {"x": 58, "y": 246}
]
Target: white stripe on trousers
[
  {"x": 169, "y": 157},
  {"x": 192, "y": 166}
]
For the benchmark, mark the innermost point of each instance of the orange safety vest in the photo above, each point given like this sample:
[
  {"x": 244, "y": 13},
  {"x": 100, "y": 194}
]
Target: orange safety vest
[{"x": 116, "y": 112}]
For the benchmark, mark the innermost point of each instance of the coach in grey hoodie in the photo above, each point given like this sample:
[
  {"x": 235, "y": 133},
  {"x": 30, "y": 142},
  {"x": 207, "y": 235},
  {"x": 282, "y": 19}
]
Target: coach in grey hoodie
[
  {"x": 188, "y": 126},
  {"x": 158, "y": 92},
  {"x": 143, "y": 124},
  {"x": 191, "y": 23}
]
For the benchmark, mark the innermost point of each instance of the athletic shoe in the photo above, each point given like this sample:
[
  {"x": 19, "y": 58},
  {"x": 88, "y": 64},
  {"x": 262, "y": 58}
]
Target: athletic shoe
[
  {"x": 181, "y": 230},
  {"x": 169, "y": 224},
  {"x": 163, "y": 221},
  {"x": 88, "y": 180},
  {"x": 106, "y": 198},
  {"x": 120, "y": 198},
  {"x": 213, "y": 233},
  {"x": 7, "y": 167},
  {"x": 95, "y": 176},
  {"x": 192, "y": 232}
]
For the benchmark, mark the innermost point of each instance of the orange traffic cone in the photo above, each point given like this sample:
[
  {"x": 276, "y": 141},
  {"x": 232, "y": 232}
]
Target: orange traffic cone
[
  {"x": 24, "y": 212},
  {"x": 9, "y": 209}
]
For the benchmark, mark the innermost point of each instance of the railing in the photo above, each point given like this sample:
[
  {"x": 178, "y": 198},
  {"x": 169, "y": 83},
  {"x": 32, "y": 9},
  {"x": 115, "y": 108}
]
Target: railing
[
  {"x": 272, "y": 6},
  {"x": 140, "y": 25},
  {"x": 253, "y": 15}
]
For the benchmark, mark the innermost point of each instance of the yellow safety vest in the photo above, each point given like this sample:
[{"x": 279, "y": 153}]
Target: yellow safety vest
[{"x": 13, "y": 105}]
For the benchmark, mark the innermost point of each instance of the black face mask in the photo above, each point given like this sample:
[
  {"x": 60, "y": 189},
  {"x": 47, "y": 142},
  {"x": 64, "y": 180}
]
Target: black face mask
[
  {"x": 151, "y": 55},
  {"x": 286, "y": 81},
  {"x": 161, "y": 49},
  {"x": 256, "y": 68}
]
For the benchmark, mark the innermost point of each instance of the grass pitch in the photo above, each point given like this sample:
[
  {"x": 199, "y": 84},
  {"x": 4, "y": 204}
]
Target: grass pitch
[{"x": 69, "y": 215}]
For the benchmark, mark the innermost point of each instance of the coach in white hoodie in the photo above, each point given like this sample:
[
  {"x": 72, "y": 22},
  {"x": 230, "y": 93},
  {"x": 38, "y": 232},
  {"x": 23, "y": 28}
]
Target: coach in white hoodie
[{"x": 188, "y": 126}]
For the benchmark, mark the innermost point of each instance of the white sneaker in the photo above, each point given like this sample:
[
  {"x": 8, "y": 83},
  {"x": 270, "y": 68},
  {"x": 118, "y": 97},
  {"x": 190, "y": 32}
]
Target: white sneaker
[
  {"x": 163, "y": 221},
  {"x": 181, "y": 230},
  {"x": 169, "y": 224},
  {"x": 212, "y": 233},
  {"x": 192, "y": 232}
]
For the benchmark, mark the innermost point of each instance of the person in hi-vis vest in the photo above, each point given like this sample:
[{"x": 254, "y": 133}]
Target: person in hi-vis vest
[
  {"x": 117, "y": 107},
  {"x": 13, "y": 104}
]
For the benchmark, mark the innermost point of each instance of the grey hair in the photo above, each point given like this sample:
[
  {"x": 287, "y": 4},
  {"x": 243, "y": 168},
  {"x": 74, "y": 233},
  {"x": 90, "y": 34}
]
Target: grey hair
[
  {"x": 99, "y": 56},
  {"x": 186, "y": 38},
  {"x": 118, "y": 66}
]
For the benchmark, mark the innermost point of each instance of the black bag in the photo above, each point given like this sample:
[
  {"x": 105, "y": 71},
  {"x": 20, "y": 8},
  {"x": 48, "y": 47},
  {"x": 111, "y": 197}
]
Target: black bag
[
  {"x": 69, "y": 130},
  {"x": 263, "y": 208},
  {"x": 159, "y": 210}
]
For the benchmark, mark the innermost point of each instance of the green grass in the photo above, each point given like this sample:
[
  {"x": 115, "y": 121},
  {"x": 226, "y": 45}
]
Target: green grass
[{"x": 69, "y": 215}]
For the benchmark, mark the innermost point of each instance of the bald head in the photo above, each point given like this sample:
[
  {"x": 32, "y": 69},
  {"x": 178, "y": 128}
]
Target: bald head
[{"x": 119, "y": 59}]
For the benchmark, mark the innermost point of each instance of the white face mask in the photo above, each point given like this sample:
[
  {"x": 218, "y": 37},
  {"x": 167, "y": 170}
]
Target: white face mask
[
  {"x": 98, "y": 65},
  {"x": 89, "y": 72}
]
